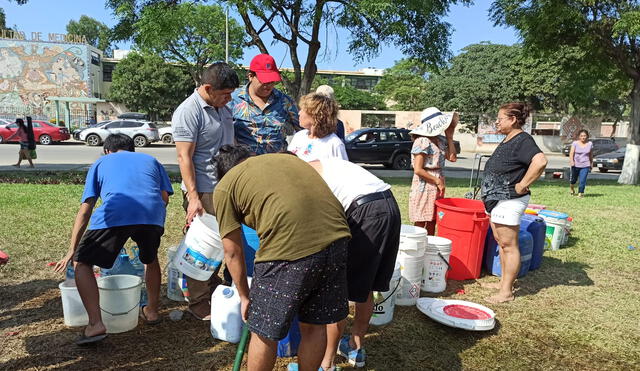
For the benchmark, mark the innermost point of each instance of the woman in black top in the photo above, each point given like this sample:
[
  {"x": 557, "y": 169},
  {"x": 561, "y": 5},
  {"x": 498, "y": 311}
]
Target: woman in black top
[{"x": 515, "y": 164}]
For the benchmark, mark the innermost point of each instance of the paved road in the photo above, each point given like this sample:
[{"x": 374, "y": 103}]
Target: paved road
[{"x": 77, "y": 155}]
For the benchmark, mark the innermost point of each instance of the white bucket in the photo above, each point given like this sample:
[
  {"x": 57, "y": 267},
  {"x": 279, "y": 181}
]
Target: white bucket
[
  {"x": 174, "y": 292},
  {"x": 383, "y": 308},
  {"x": 413, "y": 239},
  {"x": 413, "y": 242},
  {"x": 555, "y": 232},
  {"x": 200, "y": 252},
  {"x": 436, "y": 264},
  {"x": 72, "y": 308},
  {"x": 119, "y": 302}
]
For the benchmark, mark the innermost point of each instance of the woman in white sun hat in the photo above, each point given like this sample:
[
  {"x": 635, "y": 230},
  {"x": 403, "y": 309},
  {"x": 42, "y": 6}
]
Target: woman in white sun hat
[{"x": 429, "y": 151}]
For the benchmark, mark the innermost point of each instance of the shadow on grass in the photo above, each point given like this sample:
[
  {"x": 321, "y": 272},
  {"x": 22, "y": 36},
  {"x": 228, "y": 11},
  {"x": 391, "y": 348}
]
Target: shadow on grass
[
  {"x": 40, "y": 308},
  {"x": 161, "y": 347},
  {"x": 554, "y": 272},
  {"x": 33, "y": 313},
  {"x": 590, "y": 195},
  {"x": 413, "y": 339}
]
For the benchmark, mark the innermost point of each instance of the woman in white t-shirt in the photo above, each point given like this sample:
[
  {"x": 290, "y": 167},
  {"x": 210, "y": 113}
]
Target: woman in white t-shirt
[{"x": 318, "y": 117}]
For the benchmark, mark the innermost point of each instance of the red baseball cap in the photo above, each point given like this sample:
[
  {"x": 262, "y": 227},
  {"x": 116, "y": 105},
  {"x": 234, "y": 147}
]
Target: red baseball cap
[{"x": 265, "y": 68}]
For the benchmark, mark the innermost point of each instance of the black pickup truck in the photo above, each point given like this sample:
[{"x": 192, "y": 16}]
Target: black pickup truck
[{"x": 388, "y": 146}]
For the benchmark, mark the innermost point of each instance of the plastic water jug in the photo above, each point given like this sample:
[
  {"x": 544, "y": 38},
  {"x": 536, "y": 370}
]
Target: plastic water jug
[
  {"x": 123, "y": 265},
  {"x": 70, "y": 275},
  {"x": 139, "y": 267},
  {"x": 226, "y": 320}
]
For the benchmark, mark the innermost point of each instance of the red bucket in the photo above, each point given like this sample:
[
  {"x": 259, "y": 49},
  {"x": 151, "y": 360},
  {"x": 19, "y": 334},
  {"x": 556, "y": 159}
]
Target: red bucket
[{"x": 465, "y": 223}]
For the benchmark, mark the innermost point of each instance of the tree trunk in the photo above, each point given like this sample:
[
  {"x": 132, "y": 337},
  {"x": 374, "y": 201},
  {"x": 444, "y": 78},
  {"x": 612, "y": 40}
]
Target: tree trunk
[{"x": 630, "y": 168}]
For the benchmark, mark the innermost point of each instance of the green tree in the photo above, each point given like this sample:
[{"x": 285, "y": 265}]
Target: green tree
[
  {"x": 192, "y": 35},
  {"x": 3, "y": 19},
  {"x": 97, "y": 33},
  {"x": 608, "y": 30},
  {"x": 146, "y": 83},
  {"x": 409, "y": 25},
  {"x": 405, "y": 85}
]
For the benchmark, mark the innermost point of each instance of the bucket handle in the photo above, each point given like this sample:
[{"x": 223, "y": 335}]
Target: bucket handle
[
  {"x": 392, "y": 292},
  {"x": 121, "y": 313},
  {"x": 444, "y": 260},
  {"x": 476, "y": 218}
]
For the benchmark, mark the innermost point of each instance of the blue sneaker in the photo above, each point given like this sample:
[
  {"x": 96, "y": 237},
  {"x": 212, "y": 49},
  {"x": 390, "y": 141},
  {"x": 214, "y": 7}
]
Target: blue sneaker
[{"x": 356, "y": 357}]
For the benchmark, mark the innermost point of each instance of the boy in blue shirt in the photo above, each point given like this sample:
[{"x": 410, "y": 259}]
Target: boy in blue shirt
[{"x": 134, "y": 189}]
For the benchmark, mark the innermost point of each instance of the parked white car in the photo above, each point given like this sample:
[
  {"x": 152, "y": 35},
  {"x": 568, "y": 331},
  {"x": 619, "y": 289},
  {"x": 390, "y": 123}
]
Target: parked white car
[
  {"x": 142, "y": 132},
  {"x": 166, "y": 134}
]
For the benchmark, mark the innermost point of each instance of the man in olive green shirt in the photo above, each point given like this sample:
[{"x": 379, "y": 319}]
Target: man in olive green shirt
[{"x": 301, "y": 264}]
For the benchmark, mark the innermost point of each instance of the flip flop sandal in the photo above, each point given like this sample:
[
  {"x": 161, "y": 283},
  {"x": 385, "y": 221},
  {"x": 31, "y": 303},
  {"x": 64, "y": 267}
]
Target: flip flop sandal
[
  {"x": 86, "y": 340},
  {"x": 205, "y": 318},
  {"x": 146, "y": 320}
]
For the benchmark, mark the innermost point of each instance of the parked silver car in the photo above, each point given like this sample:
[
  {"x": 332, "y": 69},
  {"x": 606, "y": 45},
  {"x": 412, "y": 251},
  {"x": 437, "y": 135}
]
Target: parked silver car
[
  {"x": 166, "y": 134},
  {"x": 142, "y": 132}
]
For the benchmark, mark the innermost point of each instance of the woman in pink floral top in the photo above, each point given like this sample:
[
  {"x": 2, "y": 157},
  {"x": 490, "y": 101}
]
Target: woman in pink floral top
[{"x": 429, "y": 151}]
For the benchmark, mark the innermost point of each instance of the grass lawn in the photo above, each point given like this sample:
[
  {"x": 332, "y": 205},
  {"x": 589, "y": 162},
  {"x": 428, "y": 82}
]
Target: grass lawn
[{"x": 580, "y": 310}]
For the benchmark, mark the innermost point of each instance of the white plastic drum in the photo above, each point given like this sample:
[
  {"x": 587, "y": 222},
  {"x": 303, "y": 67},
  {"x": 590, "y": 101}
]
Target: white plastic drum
[
  {"x": 436, "y": 264},
  {"x": 413, "y": 242},
  {"x": 383, "y": 307},
  {"x": 458, "y": 313},
  {"x": 200, "y": 252}
]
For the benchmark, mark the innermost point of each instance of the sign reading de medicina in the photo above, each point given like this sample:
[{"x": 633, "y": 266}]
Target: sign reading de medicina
[{"x": 38, "y": 36}]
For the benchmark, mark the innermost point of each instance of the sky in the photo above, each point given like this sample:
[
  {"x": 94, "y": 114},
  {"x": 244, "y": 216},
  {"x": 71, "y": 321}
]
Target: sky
[{"x": 470, "y": 25}]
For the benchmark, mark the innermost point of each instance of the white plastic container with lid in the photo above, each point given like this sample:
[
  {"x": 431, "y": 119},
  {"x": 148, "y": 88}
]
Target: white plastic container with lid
[
  {"x": 413, "y": 242},
  {"x": 436, "y": 264},
  {"x": 226, "y": 319},
  {"x": 556, "y": 224}
]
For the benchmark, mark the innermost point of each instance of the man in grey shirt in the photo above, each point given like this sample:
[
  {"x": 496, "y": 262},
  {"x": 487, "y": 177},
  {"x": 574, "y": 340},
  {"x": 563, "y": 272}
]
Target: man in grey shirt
[{"x": 201, "y": 124}]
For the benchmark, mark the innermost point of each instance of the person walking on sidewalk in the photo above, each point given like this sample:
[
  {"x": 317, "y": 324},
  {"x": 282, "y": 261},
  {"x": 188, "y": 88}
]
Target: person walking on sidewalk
[
  {"x": 24, "y": 153},
  {"x": 201, "y": 125}
]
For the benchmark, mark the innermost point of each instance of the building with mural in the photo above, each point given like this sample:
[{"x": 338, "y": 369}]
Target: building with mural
[{"x": 36, "y": 76}]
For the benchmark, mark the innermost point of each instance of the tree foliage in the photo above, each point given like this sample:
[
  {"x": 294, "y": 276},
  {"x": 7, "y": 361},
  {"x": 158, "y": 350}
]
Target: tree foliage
[
  {"x": 409, "y": 25},
  {"x": 608, "y": 31},
  {"x": 97, "y": 33},
  {"x": 146, "y": 83},
  {"x": 405, "y": 85},
  {"x": 192, "y": 35}
]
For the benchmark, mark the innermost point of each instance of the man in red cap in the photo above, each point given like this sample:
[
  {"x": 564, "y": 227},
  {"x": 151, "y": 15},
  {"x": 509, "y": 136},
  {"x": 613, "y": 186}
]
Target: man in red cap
[{"x": 262, "y": 115}]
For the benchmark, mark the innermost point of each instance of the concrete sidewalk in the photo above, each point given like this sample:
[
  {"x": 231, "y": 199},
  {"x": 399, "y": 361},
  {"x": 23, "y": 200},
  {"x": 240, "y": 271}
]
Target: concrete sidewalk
[{"x": 378, "y": 170}]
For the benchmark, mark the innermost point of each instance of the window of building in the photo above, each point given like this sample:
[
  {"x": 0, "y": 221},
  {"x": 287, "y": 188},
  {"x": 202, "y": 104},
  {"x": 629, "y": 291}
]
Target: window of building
[{"x": 107, "y": 71}]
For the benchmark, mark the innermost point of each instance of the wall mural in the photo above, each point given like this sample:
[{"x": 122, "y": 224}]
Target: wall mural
[{"x": 32, "y": 71}]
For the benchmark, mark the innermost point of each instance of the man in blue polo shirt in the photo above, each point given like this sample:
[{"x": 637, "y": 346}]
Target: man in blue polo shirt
[{"x": 134, "y": 189}]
